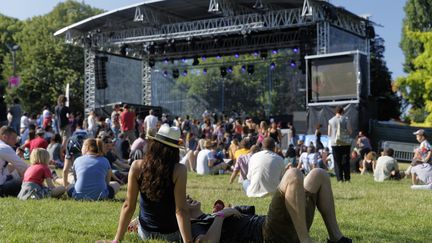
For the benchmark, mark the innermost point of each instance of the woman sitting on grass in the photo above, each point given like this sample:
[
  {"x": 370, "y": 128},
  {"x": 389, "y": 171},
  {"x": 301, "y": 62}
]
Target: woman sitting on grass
[
  {"x": 369, "y": 163},
  {"x": 161, "y": 182},
  {"x": 34, "y": 177},
  {"x": 93, "y": 174}
]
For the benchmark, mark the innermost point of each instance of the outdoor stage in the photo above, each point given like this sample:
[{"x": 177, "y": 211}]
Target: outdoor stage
[{"x": 221, "y": 55}]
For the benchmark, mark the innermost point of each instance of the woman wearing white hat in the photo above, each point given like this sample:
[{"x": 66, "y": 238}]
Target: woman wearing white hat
[{"x": 160, "y": 180}]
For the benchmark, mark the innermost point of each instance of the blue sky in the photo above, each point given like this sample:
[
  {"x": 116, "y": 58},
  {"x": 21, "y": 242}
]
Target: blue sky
[{"x": 388, "y": 13}]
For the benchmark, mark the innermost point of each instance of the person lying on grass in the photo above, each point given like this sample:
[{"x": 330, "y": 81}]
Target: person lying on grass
[
  {"x": 289, "y": 218},
  {"x": 34, "y": 177}
]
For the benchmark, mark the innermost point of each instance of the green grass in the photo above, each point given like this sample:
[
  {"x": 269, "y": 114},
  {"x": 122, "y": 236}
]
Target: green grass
[{"x": 367, "y": 212}]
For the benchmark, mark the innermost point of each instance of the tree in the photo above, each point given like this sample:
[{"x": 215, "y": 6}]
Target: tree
[
  {"x": 381, "y": 83},
  {"x": 418, "y": 17},
  {"x": 417, "y": 86},
  {"x": 46, "y": 63},
  {"x": 8, "y": 27}
]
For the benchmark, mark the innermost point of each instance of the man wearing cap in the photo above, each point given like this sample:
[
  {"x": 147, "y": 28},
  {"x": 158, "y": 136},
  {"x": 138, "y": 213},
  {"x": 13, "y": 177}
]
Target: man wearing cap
[
  {"x": 38, "y": 141},
  {"x": 12, "y": 168}
]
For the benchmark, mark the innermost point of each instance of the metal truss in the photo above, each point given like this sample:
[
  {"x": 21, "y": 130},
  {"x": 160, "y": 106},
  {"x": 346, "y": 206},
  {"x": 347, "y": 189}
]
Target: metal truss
[
  {"x": 224, "y": 7},
  {"x": 232, "y": 44},
  {"x": 90, "y": 80},
  {"x": 323, "y": 37},
  {"x": 153, "y": 17},
  {"x": 269, "y": 21},
  {"x": 146, "y": 82}
]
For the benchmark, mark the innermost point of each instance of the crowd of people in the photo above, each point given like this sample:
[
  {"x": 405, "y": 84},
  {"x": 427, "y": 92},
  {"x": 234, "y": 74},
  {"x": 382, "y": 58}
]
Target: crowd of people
[{"x": 153, "y": 155}]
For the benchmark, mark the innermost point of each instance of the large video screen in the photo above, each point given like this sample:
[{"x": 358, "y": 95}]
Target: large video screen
[{"x": 333, "y": 78}]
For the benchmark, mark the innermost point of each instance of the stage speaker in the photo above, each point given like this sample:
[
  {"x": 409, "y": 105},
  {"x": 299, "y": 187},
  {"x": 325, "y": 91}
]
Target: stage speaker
[{"x": 100, "y": 72}]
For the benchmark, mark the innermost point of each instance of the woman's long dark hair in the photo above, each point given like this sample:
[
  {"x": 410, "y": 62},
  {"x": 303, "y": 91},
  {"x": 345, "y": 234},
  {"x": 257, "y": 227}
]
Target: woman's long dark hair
[{"x": 157, "y": 169}]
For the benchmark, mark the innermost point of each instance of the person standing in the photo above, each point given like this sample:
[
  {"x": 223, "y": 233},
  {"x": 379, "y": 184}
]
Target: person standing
[
  {"x": 15, "y": 114},
  {"x": 115, "y": 120},
  {"x": 150, "y": 122},
  {"x": 340, "y": 127},
  {"x": 62, "y": 115},
  {"x": 127, "y": 123}
]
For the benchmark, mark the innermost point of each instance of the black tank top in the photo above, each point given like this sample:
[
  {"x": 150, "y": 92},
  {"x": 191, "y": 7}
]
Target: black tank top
[{"x": 159, "y": 216}]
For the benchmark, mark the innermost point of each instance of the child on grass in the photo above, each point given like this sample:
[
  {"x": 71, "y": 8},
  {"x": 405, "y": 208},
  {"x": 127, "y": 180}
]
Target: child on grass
[{"x": 34, "y": 177}]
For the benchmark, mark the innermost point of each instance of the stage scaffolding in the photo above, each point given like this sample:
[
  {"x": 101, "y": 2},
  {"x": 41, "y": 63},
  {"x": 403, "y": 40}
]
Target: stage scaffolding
[{"x": 155, "y": 30}]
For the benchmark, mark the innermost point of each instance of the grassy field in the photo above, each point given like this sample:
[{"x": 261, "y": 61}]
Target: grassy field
[{"x": 367, "y": 212}]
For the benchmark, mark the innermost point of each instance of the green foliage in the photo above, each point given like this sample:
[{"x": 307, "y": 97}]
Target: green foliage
[
  {"x": 381, "y": 83},
  {"x": 8, "y": 27},
  {"x": 416, "y": 88},
  {"x": 264, "y": 91},
  {"x": 45, "y": 63},
  {"x": 367, "y": 211},
  {"x": 418, "y": 17}
]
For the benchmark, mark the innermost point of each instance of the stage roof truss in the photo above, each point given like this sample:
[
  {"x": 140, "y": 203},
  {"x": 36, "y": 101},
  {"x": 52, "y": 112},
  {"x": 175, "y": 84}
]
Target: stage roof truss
[{"x": 150, "y": 25}]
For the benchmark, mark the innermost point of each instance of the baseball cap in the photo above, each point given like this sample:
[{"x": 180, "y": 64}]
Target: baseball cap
[{"x": 419, "y": 132}]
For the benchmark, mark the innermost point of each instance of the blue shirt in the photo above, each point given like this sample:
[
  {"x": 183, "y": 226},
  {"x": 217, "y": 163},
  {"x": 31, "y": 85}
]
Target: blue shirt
[{"x": 91, "y": 172}]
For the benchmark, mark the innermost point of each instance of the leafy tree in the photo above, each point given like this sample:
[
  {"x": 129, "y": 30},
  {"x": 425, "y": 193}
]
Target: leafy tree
[
  {"x": 46, "y": 63},
  {"x": 8, "y": 27},
  {"x": 418, "y": 17},
  {"x": 381, "y": 83},
  {"x": 417, "y": 86}
]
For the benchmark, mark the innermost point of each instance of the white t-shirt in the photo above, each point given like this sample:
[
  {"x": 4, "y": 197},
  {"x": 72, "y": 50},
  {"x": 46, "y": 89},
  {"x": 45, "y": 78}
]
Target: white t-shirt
[
  {"x": 203, "y": 158},
  {"x": 150, "y": 121},
  {"x": 8, "y": 154},
  {"x": 265, "y": 172},
  {"x": 24, "y": 123},
  {"x": 308, "y": 161},
  {"x": 385, "y": 165}
]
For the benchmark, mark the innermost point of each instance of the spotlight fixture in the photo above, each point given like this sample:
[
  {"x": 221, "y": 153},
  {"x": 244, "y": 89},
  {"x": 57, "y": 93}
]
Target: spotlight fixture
[
  {"x": 185, "y": 72},
  {"x": 295, "y": 50},
  {"x": 293, "y": 63},
  {"x": 223, "y": 71},
  {"x": 123, "y": 49},
  {"x": 263, "y": 54},
  {"x": 236, "y": 55},
  {"x": 250, "y": 69},
  {"x": 272, "y": 66},
  {"x": 175, "y": 73},
  {"x": 151, "y": 49},
  {"x": 151, "y": 62},
  {"x": 195, "y": 61}
]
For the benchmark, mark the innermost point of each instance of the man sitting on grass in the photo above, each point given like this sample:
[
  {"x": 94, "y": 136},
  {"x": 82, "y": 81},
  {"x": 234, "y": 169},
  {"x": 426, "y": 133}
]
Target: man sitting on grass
[
  {"x": 289, "y": 218},
  {"x": 387, "y": 167}
]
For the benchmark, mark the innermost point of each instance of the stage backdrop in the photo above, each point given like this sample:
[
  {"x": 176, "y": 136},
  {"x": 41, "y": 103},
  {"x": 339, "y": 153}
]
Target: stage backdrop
[{"x": 123, "y": 77}]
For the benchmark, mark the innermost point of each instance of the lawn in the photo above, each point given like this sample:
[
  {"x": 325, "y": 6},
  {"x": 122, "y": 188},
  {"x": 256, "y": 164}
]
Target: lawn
[{"x": 367, "y": 212}]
